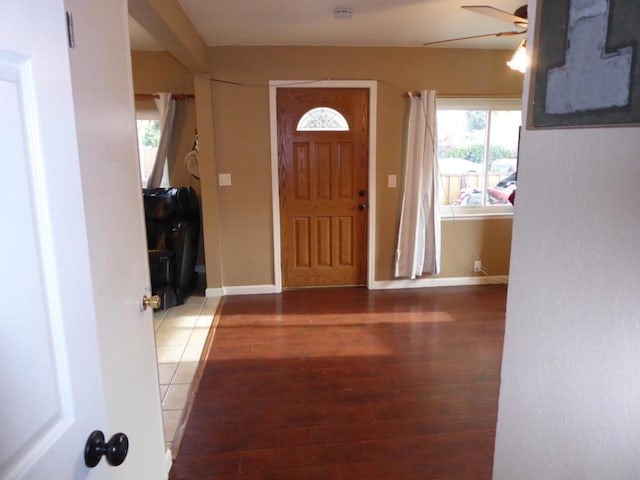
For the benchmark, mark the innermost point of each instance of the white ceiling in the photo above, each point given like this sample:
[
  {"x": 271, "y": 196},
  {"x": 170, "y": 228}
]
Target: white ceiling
[{"x": 311, "y": 22}]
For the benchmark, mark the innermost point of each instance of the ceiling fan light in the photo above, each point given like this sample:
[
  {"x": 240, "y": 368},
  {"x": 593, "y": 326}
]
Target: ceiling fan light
[{"x": 519, "y": 61}]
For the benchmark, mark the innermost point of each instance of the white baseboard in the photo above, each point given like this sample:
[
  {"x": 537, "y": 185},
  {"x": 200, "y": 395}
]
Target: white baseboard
[
  {"x": 250, "y": 290},
  {"x": 214, "y": 292},
  {"x": 377, "y": 285},
  {"x": 440, "y": 282},
  {"x": 168, "y": 460}
]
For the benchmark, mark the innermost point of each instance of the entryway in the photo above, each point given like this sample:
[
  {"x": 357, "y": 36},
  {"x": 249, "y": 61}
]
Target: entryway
[{"x": 323, "y": 169}]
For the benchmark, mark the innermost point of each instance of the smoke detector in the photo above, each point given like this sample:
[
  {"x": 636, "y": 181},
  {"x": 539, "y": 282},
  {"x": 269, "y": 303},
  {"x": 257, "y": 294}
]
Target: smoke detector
[{"x": 343, "y": 13}]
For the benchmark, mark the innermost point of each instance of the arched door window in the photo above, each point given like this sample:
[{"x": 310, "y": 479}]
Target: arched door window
[{"x": 323, "y": 119}]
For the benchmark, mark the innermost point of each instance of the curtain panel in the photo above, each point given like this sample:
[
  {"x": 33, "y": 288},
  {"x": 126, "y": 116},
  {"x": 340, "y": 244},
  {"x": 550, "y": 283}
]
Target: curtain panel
[
  {"x": 418, "y": 247},
  {"x": 167, "y": 107}
]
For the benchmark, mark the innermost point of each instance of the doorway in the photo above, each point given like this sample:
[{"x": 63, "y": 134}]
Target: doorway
[{"x": 323, "y": 165}]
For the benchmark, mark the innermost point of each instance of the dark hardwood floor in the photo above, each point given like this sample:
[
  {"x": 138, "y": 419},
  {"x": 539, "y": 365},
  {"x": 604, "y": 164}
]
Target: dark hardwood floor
[{"x": 349, "y": 384}]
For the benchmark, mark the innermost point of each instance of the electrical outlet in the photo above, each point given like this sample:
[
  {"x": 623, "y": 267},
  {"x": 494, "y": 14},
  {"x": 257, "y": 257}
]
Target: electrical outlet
[{"x": 477, "y": 266}]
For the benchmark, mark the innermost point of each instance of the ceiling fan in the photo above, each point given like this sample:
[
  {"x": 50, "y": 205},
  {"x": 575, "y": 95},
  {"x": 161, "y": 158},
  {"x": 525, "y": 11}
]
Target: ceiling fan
[{"x": 519, "y": 19}]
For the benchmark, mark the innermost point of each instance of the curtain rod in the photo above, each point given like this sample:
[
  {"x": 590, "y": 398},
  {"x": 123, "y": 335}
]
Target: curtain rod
[
  {"x": 479, "y": 95},
  {"x": 151, "y": 96},
  {"x": 468, "y": 95}
]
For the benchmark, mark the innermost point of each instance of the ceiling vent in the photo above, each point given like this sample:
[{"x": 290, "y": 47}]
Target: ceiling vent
[{"x": 342, "y": 13}]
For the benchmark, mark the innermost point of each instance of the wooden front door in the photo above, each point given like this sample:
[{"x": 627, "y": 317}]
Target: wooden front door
[{"x": 323, "y": 185}]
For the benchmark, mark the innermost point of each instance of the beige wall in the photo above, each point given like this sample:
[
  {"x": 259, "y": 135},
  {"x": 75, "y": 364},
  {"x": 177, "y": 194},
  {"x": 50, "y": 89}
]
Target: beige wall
[
  {"x": 242, "y": 144},
  {"x": 570, "y": 382},
  {"x": 241, "y": 125}
]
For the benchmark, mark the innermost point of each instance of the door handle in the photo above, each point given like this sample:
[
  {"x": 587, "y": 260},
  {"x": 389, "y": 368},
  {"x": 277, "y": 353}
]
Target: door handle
[
  {"x": 153, "y": 301},
  {"x": 115, "y": 450},
  {"x": 362, "y": 206}
]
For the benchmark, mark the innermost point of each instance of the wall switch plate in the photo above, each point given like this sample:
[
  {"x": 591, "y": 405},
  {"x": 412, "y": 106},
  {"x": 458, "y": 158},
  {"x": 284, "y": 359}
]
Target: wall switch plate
[
  {"x": 391, "y": 181},
  {"x": 224, "y": 179},
  {"x": 477, "y": 266}
]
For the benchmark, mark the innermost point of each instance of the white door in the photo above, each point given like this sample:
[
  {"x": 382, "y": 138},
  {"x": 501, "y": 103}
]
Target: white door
[
  {"x": 69, "y": 364},
  {"x": 51, "y": 394},
  {"x": 102, "y": 89}
]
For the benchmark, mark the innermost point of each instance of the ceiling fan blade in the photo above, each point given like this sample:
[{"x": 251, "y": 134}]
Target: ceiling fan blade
[
  {"x": 486, "y": 35},
  {"x": 496, "y": 13}
]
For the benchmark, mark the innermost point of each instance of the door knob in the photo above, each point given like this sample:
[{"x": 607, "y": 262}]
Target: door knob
[
  {"x": 115, "y": 450},
  {"x": 362, "y": 206},
  {"x": 153, "y": 301}
]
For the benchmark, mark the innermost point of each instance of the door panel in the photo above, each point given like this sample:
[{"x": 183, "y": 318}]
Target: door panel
[
  {"x": 51, "y": 395},
  {"x": 302, "y": 171},
  {"x": 108, "y": 150},
  {"x": 322, "y": 174},
  {"x": 323, "y": 227},
  {"x": 345, "y": 241},
  {"x": 302, "y": 242},
  {"x": 345, "y": 171}
]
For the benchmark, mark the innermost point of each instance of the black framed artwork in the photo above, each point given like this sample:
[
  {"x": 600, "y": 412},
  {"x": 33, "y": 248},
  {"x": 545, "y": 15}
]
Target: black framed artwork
[{"x": 585, "y": 64}]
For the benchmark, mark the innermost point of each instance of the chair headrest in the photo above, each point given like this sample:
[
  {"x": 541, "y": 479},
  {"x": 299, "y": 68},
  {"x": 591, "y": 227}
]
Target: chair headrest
[{"x": 170, "y": 203}]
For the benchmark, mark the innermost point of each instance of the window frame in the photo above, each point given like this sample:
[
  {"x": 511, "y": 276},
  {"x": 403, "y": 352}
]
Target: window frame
[
  {"x": 308, "y": 115},
  {"x": 478, "y": 103}
]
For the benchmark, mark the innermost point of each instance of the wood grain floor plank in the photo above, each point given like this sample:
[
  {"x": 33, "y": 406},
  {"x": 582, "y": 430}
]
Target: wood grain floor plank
[{"x": 349, "y": 384}]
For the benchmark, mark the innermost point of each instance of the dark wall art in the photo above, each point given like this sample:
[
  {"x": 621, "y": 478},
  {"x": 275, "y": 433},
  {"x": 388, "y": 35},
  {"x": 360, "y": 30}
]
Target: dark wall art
[{"x": 585, "y": 64}]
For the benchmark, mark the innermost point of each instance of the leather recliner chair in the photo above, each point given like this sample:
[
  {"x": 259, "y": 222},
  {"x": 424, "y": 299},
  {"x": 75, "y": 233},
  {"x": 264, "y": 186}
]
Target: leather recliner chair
[{"x": 173, "y": 231}]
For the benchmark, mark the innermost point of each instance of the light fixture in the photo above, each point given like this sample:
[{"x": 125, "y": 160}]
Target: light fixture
[{"x": 519, "y": 61}]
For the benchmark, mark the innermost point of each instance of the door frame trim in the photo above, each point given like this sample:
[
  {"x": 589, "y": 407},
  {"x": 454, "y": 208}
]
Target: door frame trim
[{"x": 372, "y": 86}]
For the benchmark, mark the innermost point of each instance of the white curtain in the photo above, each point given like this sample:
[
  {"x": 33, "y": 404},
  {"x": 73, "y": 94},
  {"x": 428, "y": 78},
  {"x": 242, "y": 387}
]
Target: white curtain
[
  {"x": 167, "y": 107},
  {"x": 418, "y": 248}
]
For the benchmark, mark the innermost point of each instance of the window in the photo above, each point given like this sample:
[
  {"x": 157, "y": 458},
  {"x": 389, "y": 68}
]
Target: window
[
  {"x": 323, "y": 119},
  {"x": 148, "y": 126},
  {"x": 477, "y": 154}
]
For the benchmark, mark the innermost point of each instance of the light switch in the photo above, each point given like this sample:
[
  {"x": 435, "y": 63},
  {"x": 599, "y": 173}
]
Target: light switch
[
  {"x": 391, "y": 181},
  {"x": 224, "y": 179}
]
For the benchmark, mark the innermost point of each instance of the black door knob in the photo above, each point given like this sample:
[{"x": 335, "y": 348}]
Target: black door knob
[
  {"x": 115, "y": 450},
  {"x": 362, "y": 206}
]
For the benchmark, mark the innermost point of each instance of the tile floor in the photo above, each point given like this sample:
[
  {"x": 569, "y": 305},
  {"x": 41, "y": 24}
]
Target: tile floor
[{"x": 181, "y": 333}]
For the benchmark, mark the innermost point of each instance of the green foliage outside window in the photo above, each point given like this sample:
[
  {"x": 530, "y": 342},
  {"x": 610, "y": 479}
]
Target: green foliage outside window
[
  {"x": 476, "y": 119},
  {"x": 151, "y": 136},
  {"x": 475, "y": 153}
]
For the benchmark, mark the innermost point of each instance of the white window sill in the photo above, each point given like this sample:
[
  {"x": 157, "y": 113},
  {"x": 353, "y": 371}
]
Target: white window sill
[{"x": 475, "y": 213}]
